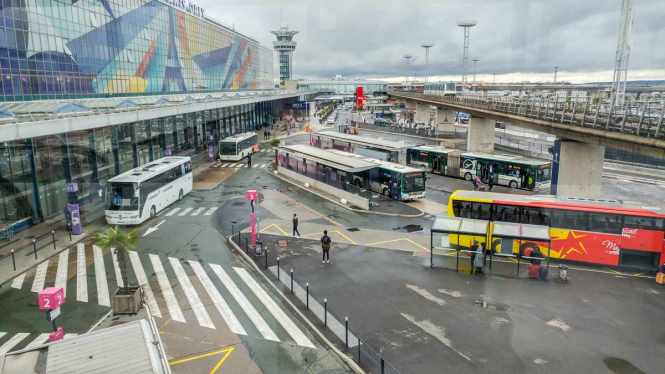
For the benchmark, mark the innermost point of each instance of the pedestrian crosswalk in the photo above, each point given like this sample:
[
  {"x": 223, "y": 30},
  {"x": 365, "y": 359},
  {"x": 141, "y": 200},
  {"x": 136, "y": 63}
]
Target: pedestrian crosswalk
[
  {"x": 10, "y": 342},
  {"x": 186, "y": 291},
  {"x": 242, "y": 164},
  {"x": 190, "y": 211}
]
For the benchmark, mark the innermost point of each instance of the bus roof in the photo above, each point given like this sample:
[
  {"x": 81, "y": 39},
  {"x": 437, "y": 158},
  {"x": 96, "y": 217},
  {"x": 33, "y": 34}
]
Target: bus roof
[
  {"x": 147, "y": 171},
  {"x": 384, "y": 164},
  {"x": 560, "y": 202},
  {"x": 508, "y": 158},
  {"x": 338, "y": 160},
  {"x": 357, "y": 139},
  {"x": 238, "y": 137},
  {"x": 432, "y": 148}
]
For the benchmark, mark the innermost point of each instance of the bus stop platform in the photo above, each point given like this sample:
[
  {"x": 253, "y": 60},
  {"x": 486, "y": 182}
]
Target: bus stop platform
[{"x": 433, "y": 320}]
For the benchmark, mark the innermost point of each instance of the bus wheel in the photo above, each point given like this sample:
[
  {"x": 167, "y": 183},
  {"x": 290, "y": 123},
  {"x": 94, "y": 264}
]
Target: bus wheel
[
  {"x": 180, "y": 195},
  {"x": 468, "y": 176},
  {"x": 512, "y": 184},
  {"x": 153, "y": 212}
]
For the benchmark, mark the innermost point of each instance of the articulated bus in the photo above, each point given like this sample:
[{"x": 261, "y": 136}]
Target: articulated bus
[
  {"x": 237, "y": 147},
  {"x": 507, "y": 170},
  {"x": 603, "y": 232},
  {"x": 141, "y": 193}
]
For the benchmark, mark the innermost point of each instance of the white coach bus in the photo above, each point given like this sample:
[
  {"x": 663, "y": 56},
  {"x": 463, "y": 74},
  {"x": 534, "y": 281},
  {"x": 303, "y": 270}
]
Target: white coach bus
[
  {"x": 141, "y": 193},
  {"x": 237, "y": 147}
]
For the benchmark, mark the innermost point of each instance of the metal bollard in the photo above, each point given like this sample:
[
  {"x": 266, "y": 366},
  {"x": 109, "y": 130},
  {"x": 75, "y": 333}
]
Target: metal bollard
[
  {"x": 13, "y": 260},
  {"x": 291, "y": 281},
  {"x": 266, "y": 256},
  {"x": 306, "y": 292},
  {"x": 382, "y": 366},
  {"x": 69, "y": 230},
  {"x": 277, "y": 267},
  {"x": 34, "y": 247},
  {"x": 53, "y": 237},
  {"x": 325, "y": 312},
  {"x": 359, "y": 343},
  {"x": 346, "y": 332}
]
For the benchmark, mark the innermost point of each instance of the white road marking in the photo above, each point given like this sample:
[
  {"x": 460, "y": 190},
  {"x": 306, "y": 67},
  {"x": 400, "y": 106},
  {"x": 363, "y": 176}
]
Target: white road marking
[
  {"x": 263, "y": 165},
  {"x": 255, "y": 166},
  {"x": 226, "y": 165},
  {"x": 61, "y": 273},
  {"x": 12, "y": 342},
  {"x": 240, "y": 165},
  {"x": 143, "y": 281},
  {"x": 172, "y": 212},
  {"x": 210, "y": 211},
  {"x": 103, "y": 297},
  {"x": 116, "y": 269},
  {"x": 244, "y": 303},
  {"x": 81, "y": 274},
  {"x": 40, "y": 277},
  {"x": 18, "y": 281},
  {"x": 426, "y": 294},
  {"x": 217, "y": 299},
  {"x": 185, "y": 211},
  {"x": 437, "y": 332},
  {"x": 559, "y": 324},
  {"x": 39, "y": 340},
  {"x": 71, "y": 335},
  {"x": 194, "y": 300},
  {"x": 167, "y": 291},
  {"x": 197, "y": 212},
  {"x": 298, "y": 336}
]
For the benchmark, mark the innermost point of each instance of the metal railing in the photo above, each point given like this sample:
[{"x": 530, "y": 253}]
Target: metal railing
[{"x": 640, "y": 118}]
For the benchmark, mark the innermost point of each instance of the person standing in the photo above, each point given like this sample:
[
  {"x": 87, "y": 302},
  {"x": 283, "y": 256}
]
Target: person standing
[
  {"x": 249, "y": 160},
  {"x": 295, "y": 225},
  {"x": 474, "y": 251},
  {"x": 479, "y": 260},
  {"x": 325, "y": 247}
]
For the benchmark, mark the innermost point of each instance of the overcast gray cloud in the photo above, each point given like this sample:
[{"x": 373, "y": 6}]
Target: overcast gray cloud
[{"x": 368, "y": 38}]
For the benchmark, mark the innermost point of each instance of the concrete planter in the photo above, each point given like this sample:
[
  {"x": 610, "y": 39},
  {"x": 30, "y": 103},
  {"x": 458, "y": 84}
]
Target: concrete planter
[{"x": 126, "y": 300}]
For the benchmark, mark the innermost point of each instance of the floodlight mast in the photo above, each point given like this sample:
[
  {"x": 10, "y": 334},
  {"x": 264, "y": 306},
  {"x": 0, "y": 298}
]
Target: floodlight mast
[{"x": 466, "y": 25}]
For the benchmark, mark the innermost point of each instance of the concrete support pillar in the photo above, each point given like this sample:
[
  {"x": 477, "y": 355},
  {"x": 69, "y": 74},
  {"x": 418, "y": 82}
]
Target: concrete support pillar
[
  {"x": 423, "y": 113},
  {"x": 580, "y": 169},
  {"x": 445, "y": 120},
  {"x": 480, "y": 136}
]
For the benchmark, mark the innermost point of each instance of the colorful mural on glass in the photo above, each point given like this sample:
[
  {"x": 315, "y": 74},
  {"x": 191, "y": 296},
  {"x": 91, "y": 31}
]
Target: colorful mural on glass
[{"x": 54, "y": 48}]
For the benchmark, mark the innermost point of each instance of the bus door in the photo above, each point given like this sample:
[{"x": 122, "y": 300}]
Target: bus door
[
  {"x": 395, "y": 187},
  {"x": 436, "y": 164}
]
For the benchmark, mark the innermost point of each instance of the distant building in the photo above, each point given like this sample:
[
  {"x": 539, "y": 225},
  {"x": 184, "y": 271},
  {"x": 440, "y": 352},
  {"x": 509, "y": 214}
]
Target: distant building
[
  {"x": 285, "y": 46},
  {"x": 343, "y": 87}
]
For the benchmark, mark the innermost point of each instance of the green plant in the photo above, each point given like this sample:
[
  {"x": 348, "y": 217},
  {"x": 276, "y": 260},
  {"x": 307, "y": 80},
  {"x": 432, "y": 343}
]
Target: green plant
[
  {"x": 274, "y": 142},
  {"x": 121, "y": 241}
]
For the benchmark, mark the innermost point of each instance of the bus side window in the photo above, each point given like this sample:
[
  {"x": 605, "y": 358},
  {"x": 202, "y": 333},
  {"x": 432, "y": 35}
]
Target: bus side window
[
  {"x": 535, "y": 216},
  {"x": 645, "y": 223},
  {"x": 569, "y": 219},
  {"x": 607, "y": 223}
]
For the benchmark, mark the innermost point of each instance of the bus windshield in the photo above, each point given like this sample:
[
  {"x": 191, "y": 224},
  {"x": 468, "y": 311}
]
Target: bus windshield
[
  {"x": 414, "y": 182},
  {"x": 227, "y": 148},
  {"x": 123, "y": 197},
  {"x": 544, "y": 173}
]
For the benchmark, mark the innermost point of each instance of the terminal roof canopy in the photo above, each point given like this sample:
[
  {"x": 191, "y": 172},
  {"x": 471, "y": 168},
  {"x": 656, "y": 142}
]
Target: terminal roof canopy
[
  {"x": 342, "y": 162},
  {"x": 383, "y": 143},
  {"x": 454, "y": 225},
  {"x": 521, "y": 231}
]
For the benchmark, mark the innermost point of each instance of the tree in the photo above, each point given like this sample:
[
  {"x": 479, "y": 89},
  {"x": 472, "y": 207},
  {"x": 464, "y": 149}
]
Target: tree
[{"x": 121, "y": 241}]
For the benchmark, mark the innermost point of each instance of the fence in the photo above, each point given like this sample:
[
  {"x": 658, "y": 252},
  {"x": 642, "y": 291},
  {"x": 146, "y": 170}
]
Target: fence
[
  {"x": 31, "y": 247},
  {"x": 359, "y": 349}
]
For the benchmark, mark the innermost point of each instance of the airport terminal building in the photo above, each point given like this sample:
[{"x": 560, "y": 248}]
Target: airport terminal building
[{"x": 92, "y": 88}]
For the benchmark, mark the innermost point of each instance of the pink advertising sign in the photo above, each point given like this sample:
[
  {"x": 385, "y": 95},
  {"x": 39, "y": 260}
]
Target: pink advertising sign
[
  {"x": 56, "y": 335},
  {"x": 251, "y": 195},
  {"x": 50, "y": 298}
]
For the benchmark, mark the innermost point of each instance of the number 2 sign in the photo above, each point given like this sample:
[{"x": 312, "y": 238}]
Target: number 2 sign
[{"x": 51, "y": 298}]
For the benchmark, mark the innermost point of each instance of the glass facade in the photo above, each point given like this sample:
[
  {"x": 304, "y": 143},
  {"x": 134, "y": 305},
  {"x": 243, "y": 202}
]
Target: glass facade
[
  {"x": 342, "y": 87},
  {"x": 34, "y": 173},
  {"x": 62, "y": 48}
]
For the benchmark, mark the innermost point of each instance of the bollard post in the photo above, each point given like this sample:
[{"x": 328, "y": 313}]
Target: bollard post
[
  {"x": 53, "y": 237},
  {"x": 325, "y": 312},
  {"x": 13, "y": 260},
  {"x": 277, "y": 267},
  {"x": 69, "y": 230},
  {"x": 307, "y": 295},
  {"x": 266, "y": 256},
  {"x": 291, "y": 281},
  {"x": 34, "y": 247},
  {"x": 382, "y": 366},
  {"x": 359, "y": 343},
  {"x": 346, "y": 332},
  {"x": 517, "y": 270}
]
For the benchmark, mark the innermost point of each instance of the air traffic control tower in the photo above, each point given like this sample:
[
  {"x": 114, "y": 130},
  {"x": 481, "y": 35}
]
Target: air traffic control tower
[{"x": 285, "y": 46}]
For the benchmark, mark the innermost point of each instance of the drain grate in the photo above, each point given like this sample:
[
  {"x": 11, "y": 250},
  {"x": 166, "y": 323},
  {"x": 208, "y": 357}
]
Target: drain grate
[{"x": 353, "y": 229}]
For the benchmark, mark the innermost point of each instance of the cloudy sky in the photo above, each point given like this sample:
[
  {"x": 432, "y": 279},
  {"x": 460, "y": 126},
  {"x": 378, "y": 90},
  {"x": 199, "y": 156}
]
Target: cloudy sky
[{"x": 514, "y": 39}]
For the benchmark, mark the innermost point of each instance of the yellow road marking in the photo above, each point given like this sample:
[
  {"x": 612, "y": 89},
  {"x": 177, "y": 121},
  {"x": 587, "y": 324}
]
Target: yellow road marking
[
  {"x": 345, "y": 237},
  {"x": 225, "y": 352},
  {"x": 263, "y": 230},
  {"x": 221, "y": 361},
  {"x": 398, "y": 240}
]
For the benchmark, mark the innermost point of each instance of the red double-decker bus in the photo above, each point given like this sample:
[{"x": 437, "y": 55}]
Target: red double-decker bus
[{"x": 601, "y": 232}]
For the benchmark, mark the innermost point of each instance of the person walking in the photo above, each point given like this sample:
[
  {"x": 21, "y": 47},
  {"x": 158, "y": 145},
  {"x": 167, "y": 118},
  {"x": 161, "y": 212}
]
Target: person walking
[
  {"x": 249, "y": 160},
  {"x": 325, "y": 246},
  {"x": 479, "y": 260},
  {"x": 295, "y": 225},
  {"x": 474, "y": 251}
]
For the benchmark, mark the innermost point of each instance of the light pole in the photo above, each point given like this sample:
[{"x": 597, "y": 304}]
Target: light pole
[
  {"x": 475, "y": 61},
  {"x": 408, "y": 60},
  {"x": 466, "y": 25},
  {"x": 427, "y": 46}
]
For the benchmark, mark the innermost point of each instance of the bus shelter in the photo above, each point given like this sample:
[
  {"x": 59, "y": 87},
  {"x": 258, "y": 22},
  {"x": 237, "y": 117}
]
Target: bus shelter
[
  {"x": 452, "y": 236},
  {"x": 519, "y": 243}
]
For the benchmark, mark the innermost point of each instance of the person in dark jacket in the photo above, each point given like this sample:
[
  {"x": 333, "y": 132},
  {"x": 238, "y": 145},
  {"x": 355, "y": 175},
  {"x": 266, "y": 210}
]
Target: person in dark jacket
[
  {"x": 326, "y": 242},
  {"x": 295, "y": 222}
]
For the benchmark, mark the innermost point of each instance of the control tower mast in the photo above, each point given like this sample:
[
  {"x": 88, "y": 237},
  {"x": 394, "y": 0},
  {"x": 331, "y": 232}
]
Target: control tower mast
[{"x": 284, "y": 45}]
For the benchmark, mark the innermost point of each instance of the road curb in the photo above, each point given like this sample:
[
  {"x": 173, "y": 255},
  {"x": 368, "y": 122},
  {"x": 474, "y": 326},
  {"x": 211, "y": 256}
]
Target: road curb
[
  {"x": 345, "y": 206},
  {"x": 352, "y": 364}
]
